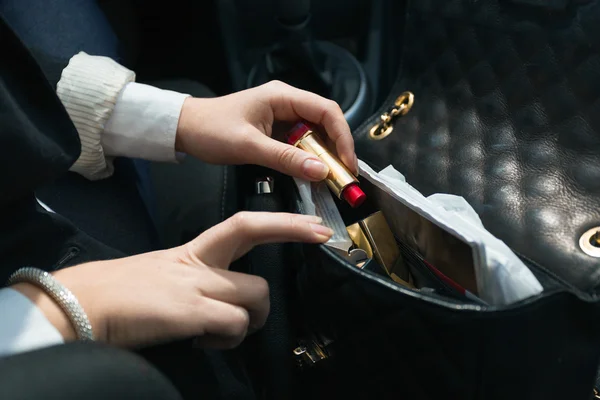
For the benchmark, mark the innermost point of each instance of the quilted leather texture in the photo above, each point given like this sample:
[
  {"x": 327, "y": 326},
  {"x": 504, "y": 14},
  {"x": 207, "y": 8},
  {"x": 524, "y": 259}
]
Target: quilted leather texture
[{"x": 506, "y": 114}]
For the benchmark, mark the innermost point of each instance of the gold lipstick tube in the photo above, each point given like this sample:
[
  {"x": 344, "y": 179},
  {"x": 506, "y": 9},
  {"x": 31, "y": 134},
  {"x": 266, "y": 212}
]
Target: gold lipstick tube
[{"x": 340, "y": 180}]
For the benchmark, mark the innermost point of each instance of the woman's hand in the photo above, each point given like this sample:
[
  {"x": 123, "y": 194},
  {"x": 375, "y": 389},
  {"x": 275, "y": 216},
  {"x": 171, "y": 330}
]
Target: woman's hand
[
  {"x": 183, "y": 292},
  {"x": 236, "y": 129}
]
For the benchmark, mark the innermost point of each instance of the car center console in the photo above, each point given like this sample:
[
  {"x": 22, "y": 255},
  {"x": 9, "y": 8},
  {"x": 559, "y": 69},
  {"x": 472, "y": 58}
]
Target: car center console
[{"x": 333, "y": 48}]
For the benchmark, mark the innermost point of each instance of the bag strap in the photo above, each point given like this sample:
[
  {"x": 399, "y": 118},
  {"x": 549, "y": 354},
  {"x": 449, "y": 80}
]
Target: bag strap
[{"x": 271, "y": 345}]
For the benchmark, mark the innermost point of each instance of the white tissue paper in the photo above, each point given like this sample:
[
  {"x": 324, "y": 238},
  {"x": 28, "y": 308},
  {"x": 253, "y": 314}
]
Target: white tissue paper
[
  {"x": 502, "y": 278},
  {"x": 318, "y": 201}
]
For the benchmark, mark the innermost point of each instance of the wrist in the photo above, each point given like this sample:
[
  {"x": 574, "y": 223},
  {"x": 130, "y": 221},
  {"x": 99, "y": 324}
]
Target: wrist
[
  {"x": 184, "y": 124},
  {"x": 51, "y": 310}
]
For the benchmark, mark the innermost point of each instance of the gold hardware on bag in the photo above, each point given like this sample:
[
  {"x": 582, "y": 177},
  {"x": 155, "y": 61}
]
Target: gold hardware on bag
[
  {"x": 595, "y": 239},
  {"x": 590, "y": 242},
  {"x": 401, "y": 107},
  {"x": 309, "y": 353}
]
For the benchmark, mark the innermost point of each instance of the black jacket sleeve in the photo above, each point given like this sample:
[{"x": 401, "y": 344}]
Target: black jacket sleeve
[{"x": 38, "y": 141}]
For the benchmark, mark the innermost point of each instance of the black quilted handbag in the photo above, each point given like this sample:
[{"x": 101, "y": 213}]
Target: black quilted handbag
[{"x": 506, "y": 113}]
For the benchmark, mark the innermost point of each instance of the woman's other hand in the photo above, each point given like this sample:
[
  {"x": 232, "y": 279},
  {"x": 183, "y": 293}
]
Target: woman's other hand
[{"x": 183, "y": 292}]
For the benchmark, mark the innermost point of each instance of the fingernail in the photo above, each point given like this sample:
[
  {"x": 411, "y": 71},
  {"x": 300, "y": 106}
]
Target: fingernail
[
  {"x": 321, "y": 230},
  {"x": 315, "y": 169},
  {"x": 356, "y": 163},
  {"x": 314, "y": 219}
]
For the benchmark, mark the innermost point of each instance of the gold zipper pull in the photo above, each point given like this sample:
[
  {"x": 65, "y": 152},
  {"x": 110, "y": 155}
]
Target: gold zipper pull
[
  {"x": 401, "y": 107},
  {"x": 309, "y": 354},
  {"x": 311, "y": 351}
]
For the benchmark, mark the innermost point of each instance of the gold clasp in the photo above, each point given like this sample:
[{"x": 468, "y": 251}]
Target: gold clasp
[
  {"x": 308, "y": 353},
  {"x": 401, "y": 107}
]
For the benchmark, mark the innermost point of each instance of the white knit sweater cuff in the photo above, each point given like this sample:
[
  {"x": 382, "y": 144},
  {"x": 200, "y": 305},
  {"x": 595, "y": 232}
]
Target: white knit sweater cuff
[{"x": 89, "y": 88}]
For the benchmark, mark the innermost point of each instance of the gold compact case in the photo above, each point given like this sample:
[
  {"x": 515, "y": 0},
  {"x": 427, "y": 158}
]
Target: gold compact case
[{"x": 374, "y": 236}]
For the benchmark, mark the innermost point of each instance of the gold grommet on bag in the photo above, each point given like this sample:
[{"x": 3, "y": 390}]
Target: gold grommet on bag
[
  {"x": 590, "y": 242},
  {"x": 401, "y": 107}
]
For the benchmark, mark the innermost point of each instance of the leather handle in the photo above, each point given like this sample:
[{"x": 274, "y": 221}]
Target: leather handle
[{"x": 274, "y": 342}]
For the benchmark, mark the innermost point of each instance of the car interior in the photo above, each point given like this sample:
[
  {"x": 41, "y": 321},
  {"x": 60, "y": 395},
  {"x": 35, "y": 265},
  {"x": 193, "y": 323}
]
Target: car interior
[
  {"x": 507, "y": 120},
  {"x": 343, "y": 50}
]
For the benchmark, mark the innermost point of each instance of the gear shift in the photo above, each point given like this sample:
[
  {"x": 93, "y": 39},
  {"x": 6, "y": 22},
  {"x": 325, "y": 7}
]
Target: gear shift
[{"x": 317, "y": 66}]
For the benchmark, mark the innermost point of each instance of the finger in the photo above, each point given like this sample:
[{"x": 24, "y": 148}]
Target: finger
[
  {"x": 287, "y": 159},
  {"x": 247, "y": 291},
  {"x": 226, "y": 321},
  {"x": 354, "y": 165},
  {"x": 229, "y": 240},
  {"x": 290, "y": 104}
]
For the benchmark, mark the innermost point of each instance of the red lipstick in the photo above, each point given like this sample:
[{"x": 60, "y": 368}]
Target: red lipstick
[{"x": 340, "y": 180}]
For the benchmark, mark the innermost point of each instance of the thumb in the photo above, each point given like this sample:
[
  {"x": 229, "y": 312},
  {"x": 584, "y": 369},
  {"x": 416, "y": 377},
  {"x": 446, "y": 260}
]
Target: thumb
[
  {"x": 288, "y": 159},
  {"x": 231, "y": 239}
]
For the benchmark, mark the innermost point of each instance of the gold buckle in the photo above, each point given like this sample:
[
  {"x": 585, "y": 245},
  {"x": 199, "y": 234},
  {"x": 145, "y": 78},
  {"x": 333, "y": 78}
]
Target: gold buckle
[
  {"x": 309, "y": 353},
  {"x": 401, "y": 107}
]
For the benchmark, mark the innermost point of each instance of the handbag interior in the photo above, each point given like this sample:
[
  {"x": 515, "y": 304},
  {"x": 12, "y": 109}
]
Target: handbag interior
[{"x": 440, "y": 265}]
